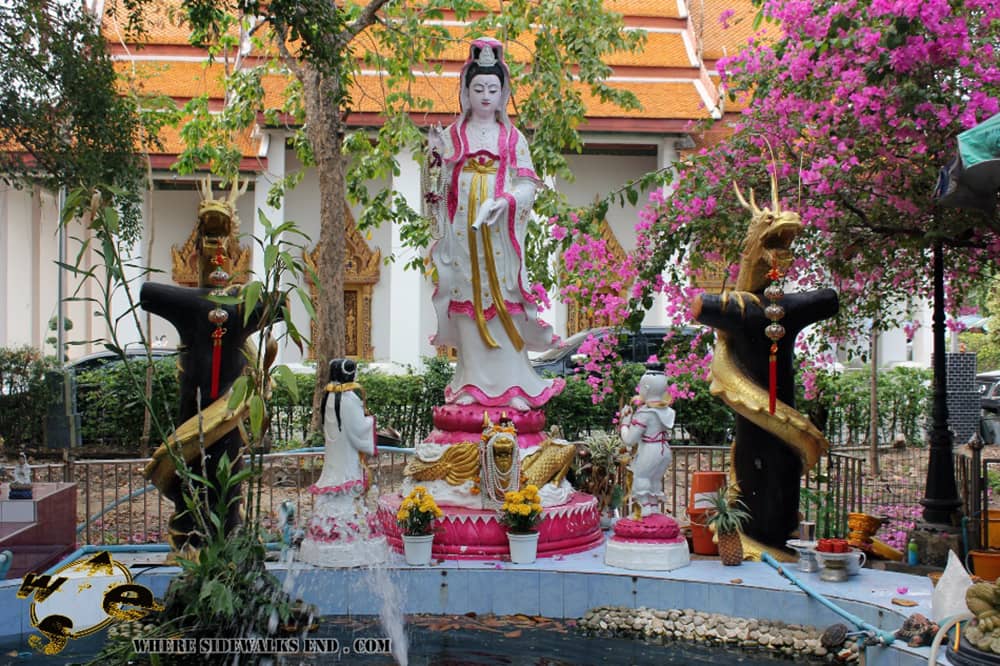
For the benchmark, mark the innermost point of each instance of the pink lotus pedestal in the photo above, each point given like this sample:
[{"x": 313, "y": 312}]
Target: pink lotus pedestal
[
  {"x": 476, "y": 534},
  {"x": 653, "y": 543},
  {"x": 454, "y": 424}
]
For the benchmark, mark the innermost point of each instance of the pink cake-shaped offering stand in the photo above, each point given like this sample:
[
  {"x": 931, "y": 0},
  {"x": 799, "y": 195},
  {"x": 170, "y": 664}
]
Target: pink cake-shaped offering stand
[
  {"x": 476, "y": 534},
  {"x": 653, "y": 543}
]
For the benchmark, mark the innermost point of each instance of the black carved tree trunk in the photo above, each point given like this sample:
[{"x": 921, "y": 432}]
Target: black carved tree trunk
[
  {"x": 186, "y": 308},
  {"x": 768, "y": 470}
]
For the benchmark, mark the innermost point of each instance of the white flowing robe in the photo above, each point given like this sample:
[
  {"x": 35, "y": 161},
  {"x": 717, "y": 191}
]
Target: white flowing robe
[
  {"x": 356, "y": 434},
  {"x": 493, "y": 375}
]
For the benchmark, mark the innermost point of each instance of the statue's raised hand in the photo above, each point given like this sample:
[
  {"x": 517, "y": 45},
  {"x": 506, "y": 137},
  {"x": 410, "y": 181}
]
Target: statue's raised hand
[
  {"x": 435, "y": 142},
  {"x": 491, "y": 212}
]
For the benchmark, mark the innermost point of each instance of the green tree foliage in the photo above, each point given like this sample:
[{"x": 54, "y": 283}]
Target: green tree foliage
[
  {"x": 24, "y": 396},
  {"x": 62, "y": 120},
  {"x": 323, "y": 46}
]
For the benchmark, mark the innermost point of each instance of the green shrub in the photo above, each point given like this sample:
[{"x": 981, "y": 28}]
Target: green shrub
[
  {"x": 402, "y": 402},
  {"x": 398, "y": 402},
  {"x": 112, "y": 414},
  {"x": 24, "y": 396},
  {"x": 290, "y": 418},
  {"x": 842, "y": 406},
  {"x": 706, "y": 418},
  {"x": 574, "y": 411}
]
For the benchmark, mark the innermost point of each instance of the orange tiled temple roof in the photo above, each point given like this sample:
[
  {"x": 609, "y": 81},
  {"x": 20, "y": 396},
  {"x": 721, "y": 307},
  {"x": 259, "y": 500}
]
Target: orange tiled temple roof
[{"x": 667, "y": 77}]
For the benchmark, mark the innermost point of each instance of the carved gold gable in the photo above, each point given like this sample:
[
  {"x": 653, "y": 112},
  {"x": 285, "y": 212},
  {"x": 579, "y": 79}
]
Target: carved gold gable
[
  {"x": 361, "y": 274},
  {"x": 186, "y": 262},
  {"x": 217, "y": 225},
  {"x": 712, "y": 276},
  {"x": 581, "y": 318}
]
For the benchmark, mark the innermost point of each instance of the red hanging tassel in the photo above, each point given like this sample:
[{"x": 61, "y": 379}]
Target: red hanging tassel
[
  {"x": 772, "y": 371},
  {"x": 216, "y": 360}
]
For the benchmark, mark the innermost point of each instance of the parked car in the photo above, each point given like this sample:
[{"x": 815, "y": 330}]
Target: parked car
[
  {"x": 100, "y": 359},
  {"x": 988, "y": 385},
  {"x": 632, "y": 347}
]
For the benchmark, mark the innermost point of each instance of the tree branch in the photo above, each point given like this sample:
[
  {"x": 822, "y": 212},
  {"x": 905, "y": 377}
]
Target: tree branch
[
  {"x": 365, "y": 19},
  {"x": 286, "y": 55}
]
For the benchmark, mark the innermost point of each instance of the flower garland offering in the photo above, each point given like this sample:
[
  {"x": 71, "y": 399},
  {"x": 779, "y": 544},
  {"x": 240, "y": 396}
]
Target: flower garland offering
[
  {"x": 417, "y": 513},
  {"x": 521, "y": 510}
]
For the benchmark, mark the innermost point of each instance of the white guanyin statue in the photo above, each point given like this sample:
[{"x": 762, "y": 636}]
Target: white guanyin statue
[
  {"x": 647, "y": 428},
  {"x": 22, "y": 471},
  {"x": 482, "y": 187},
  {"x": 484, "y": 191},
  {"x": 339, "y": 532}
]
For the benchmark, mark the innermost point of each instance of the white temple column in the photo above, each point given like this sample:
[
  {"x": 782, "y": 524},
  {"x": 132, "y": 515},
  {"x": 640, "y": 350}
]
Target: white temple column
[
  {"x": 272, "y": 147},
  {"x": 5, "y": 276},
  {"x": 667, "y": 154},
  {"x": 923, "y": 338},
  {"x": 408, "y": 337}
]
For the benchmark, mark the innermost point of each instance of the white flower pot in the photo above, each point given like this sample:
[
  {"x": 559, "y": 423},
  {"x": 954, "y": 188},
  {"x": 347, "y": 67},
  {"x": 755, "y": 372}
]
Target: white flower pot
[
  {"x": 523, "y": 547},
  {"x": 417, "y": 549}
]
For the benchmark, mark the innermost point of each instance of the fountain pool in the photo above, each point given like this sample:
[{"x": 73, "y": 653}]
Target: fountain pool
[{"x": 557, "y": 588}]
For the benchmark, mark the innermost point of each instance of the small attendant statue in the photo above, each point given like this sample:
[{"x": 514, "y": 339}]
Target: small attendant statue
[
  {"x": 648, "y": 429},
  {"x": 20, "y": 487},
  {"x": 339, "y": 533},
  {"x": 649, "y": 540}
]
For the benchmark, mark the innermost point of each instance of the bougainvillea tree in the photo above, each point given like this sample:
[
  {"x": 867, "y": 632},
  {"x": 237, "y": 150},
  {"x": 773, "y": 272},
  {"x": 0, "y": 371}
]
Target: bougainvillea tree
[{"x": 855, "y": 107}]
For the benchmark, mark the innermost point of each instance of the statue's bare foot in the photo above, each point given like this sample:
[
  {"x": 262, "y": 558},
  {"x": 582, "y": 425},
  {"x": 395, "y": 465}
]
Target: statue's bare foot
[
  {"x": 464, "y": 398},
  {"x": 520, "y": 404}
]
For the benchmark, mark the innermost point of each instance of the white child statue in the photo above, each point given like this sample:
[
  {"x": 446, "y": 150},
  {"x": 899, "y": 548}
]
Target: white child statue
[
  {"x": 20, "y": 487},
  {"x": 648, "y": 429}
]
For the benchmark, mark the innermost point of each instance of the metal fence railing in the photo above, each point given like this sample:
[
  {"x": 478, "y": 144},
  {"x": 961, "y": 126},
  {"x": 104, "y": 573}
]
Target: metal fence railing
[{"x": 116, "y": 505}]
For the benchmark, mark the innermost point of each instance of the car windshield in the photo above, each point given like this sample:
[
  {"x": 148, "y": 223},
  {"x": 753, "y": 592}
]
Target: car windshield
[{"x": 568, "y": 345}]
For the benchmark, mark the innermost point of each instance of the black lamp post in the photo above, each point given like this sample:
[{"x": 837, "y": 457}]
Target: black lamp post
[{"x": 941, "y": 499}]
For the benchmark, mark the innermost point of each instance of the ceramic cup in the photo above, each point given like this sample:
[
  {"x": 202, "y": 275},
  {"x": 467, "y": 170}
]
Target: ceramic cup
[{"x": 855, "y": 560}]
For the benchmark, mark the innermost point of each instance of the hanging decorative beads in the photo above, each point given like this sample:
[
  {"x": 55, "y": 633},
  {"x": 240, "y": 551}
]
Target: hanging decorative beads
[
  {"x": 494, "y": 482},
  {"x": 219, "y": 279},
  {"x": 774, "y": 331}
]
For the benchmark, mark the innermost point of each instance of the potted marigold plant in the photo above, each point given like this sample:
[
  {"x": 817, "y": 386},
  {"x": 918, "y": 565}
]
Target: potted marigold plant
[
  {"x": 521, "y": 511},
  {"x": 726, "y": 516},
  {"x": 416, "y": 523}
]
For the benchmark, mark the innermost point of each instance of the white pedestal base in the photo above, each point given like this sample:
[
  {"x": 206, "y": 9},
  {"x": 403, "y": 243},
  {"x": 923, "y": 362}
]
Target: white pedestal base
[
  {"x": 357, "y": 553},
  {"x": 646, "y": 556}
]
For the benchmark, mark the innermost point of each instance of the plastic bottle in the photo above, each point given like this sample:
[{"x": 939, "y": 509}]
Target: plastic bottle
[{"x": 912, "y": 553}]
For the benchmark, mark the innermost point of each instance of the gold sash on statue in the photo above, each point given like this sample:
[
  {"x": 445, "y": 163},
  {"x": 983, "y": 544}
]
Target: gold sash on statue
[{"x": 478, "y": 193}]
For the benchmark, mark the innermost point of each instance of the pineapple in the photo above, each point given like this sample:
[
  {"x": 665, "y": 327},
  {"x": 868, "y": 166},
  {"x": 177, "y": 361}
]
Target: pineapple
[
  {"x": 726, "y": 515},
  {"x": 730, "y": 548}
]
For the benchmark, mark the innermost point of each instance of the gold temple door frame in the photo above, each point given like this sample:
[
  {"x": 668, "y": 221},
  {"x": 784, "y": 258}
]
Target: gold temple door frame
[
  {"x": 361, "y": 274},
  {"x": 582, "y": 318}
]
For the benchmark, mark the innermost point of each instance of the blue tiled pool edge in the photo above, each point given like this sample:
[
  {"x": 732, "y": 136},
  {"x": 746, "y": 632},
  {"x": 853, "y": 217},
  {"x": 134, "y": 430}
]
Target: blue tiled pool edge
[{"x": 569, "y": 587}]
